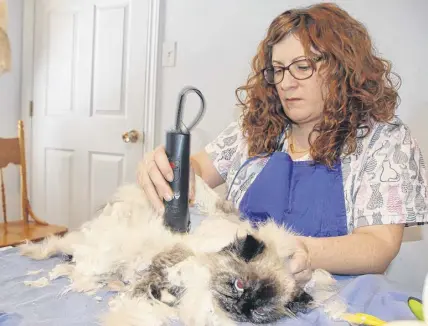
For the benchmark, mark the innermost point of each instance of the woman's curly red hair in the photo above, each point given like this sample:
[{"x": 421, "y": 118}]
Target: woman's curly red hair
[{"x": 358, "y": 82}]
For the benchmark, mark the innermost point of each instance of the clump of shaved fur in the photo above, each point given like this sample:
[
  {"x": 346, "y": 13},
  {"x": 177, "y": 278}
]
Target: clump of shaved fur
[{"x": 223, "y": 272}]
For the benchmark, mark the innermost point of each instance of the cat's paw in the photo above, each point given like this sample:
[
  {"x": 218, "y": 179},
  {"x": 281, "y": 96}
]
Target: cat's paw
[
  {"x": 36, "y": 251},
  {"x": 325, "y": 291},
  {"x": 334, "y": 308}
]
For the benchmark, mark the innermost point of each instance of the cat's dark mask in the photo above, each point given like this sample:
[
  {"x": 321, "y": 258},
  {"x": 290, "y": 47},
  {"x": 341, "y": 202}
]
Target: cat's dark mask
[{"x": 248, "y": 294}]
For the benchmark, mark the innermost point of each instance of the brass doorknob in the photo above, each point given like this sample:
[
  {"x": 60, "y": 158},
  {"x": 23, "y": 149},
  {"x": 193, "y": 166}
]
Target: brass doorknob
[{"x": 131, "y": 136}]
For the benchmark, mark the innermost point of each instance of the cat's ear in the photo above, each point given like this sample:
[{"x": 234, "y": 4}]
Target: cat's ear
[
  {"x": 301, "y": 303},
  {"x": 246, "y": 248},
  {"x": 251, "y": 247}
]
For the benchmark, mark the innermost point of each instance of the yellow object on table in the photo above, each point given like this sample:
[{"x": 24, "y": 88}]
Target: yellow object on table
[
  {"x": 369, "y": 320},
  {"x": 363, "y": 319}
]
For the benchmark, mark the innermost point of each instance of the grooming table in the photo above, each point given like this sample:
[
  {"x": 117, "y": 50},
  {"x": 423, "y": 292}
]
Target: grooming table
[{"x": 23, "y": 305}]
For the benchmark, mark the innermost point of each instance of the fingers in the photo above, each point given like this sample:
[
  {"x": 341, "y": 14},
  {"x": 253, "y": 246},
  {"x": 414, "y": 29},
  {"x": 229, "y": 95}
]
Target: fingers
[
  {"x": 300, "y": 268},
  {"x": 152, "y": 175},
  {"x": 300, "y": 265},
  {"x": 162, "y": 163},
  {"x": 151, "y": 192},
  {"x": 303, "y": 277},
  {"x": 158, "y": 180},
  {"x": 298, "y": 262}
]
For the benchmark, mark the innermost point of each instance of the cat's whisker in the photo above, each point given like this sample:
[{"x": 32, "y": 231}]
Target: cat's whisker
[
  {"x": 224, "y": 295},
  {"x": 289, "y": 313}
]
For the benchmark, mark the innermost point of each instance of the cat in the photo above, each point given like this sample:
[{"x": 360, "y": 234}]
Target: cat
[
  {"x": 223, "y": 272},
  {"x": 247, "y": 281}
]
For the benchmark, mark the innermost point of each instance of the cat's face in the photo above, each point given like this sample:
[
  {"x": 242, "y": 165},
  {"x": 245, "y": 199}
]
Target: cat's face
[{"x": 251, "y": 284}]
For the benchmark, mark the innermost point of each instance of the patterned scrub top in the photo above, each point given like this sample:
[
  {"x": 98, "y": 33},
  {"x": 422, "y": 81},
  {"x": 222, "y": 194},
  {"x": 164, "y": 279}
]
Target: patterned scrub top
[{"x": 384, "y": 180}]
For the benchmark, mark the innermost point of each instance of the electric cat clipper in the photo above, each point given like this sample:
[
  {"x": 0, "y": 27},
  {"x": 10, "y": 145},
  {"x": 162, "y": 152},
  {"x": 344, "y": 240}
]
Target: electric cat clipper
[{"x": 176, "y": 216}]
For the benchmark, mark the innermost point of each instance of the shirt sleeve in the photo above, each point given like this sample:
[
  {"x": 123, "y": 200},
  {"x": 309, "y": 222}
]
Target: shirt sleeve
[
  {"x": 224, "y": 147},
  {"x": 393, "y": 184}
]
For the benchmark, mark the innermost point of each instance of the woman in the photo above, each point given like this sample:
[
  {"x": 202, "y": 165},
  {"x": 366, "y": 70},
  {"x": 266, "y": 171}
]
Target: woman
[{"x": 317, "y": 147}]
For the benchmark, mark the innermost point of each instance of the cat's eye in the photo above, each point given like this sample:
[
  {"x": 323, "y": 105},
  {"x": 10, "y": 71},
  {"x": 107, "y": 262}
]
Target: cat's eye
[{"x": 239, "y": 285}]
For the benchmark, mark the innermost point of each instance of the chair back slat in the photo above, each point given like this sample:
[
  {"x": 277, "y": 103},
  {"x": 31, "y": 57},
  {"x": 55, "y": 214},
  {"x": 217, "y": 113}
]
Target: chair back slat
[
  {"x": 3, "y": 196},
  {"x": 12, "y": 151},
  {"x": 9, "y": 152}
]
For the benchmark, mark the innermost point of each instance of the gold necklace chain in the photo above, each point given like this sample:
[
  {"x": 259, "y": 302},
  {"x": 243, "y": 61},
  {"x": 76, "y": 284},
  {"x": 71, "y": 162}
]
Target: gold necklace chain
[{"x": 291, "y": 146}]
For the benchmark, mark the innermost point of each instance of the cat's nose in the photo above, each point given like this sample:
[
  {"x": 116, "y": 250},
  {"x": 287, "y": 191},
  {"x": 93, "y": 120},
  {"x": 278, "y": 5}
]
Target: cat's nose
[{"x": 239, "y": 305}]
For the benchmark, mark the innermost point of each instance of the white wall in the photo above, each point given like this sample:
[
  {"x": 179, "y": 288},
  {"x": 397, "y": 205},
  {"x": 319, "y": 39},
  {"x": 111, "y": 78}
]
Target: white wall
[
  {"x": 217, "y": 39},
  {"x": 10, "y": 102}
]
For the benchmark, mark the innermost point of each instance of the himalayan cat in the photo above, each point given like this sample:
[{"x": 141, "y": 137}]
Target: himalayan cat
[
  {"x": 247, "y": 281},
  {"x": 221, "y": 273}
]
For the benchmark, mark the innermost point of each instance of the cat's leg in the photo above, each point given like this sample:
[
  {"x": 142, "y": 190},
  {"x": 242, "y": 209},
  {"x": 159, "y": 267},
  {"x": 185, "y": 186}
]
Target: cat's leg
[
  {"x": 154, "y": 282},
  {"x": 153, "y": 285},
  {"x": 206, "y": 199},
  {"x": 153, "y": 299},
  {"x": 51, "y": 246},
  {"x": 210, "y": 203}
]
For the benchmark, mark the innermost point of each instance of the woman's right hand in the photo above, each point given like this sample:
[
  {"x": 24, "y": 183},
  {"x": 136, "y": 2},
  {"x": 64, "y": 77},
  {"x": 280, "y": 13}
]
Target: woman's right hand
[{"x": 154, "y": 172}]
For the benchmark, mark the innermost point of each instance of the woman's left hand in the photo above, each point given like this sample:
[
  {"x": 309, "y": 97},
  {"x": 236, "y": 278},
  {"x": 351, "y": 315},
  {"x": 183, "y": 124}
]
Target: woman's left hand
[{"x": 300, "y": 264}]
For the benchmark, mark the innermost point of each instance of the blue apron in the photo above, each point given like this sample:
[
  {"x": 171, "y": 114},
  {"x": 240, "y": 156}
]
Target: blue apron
[{"x": 307, "y": 198}]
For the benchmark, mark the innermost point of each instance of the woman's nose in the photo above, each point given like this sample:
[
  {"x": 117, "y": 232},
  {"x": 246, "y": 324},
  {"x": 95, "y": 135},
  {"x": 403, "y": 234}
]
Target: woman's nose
[{"x": 288, "y": 81}]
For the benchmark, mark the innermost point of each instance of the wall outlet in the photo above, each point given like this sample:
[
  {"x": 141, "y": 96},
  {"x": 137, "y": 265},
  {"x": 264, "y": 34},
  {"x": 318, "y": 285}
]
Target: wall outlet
[{"x": 169, "y": 51}]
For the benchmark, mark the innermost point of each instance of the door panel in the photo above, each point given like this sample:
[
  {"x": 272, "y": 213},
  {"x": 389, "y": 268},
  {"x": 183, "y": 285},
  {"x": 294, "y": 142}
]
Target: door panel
[{"x": 89, "y": 88}]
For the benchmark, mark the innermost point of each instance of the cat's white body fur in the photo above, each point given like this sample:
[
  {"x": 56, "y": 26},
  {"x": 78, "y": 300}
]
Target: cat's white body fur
[{"x": 123, "y": 238}]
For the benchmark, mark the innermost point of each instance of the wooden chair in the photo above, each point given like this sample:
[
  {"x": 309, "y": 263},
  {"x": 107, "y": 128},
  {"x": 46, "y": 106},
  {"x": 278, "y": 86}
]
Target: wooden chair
[{"x": 12, "y": 151}]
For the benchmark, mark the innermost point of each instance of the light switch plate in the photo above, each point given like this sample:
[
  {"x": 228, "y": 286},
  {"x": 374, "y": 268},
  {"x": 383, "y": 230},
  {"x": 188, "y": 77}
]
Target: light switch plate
[{"x": 169, "y": 51}]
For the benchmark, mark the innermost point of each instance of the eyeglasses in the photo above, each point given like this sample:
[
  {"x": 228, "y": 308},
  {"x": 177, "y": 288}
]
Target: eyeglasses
[{"x": 301, "y": 69}]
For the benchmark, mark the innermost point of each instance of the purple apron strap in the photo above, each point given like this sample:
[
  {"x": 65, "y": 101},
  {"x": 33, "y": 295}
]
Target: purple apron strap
[{"x": 307, "y": 198}]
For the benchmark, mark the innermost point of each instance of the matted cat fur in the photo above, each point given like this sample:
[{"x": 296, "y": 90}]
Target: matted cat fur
[{"x": 222, "y": 273}]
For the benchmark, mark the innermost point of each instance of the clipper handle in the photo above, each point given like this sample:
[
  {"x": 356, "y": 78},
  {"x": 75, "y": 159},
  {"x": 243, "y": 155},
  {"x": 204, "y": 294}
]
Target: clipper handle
[{"x": 177, "y": 148}]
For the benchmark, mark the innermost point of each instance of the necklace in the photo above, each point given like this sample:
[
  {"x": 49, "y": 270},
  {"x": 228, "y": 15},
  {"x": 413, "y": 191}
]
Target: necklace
[{"x": 292, "y": 148}]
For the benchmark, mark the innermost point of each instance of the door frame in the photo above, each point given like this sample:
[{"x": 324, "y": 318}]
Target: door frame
[{"x": 150, "y": 91}]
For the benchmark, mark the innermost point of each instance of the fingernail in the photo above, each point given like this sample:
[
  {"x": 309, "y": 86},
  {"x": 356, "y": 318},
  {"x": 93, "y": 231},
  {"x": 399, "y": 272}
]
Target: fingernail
[
  {"x": 168, "y": 197},
  {"x": 170, "y": 177}
]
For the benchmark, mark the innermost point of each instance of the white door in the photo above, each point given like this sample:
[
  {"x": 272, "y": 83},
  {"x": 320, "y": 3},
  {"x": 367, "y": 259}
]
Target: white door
[{"x": 90, "y": 60}]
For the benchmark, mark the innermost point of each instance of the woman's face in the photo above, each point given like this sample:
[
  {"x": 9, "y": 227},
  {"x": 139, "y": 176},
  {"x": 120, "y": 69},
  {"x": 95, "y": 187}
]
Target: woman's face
[{"x": 302, "y": 100}]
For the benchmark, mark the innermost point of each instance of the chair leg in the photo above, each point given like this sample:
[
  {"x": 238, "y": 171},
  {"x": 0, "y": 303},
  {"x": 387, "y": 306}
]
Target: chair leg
[{"x": 34, "y": 217}]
